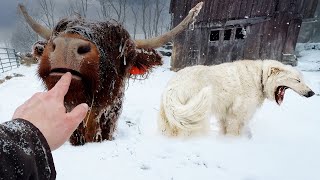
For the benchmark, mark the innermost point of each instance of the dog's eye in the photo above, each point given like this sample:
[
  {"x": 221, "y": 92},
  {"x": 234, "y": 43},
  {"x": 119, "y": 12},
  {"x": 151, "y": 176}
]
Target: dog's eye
[{"x": 298, "y": 80}]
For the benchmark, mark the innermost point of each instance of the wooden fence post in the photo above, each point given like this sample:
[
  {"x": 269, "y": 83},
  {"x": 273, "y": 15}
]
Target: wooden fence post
[
  {"x": 1, "y": 65},
  {"x": 17, "y": 58},
  {"x": 9, "y": 58}
]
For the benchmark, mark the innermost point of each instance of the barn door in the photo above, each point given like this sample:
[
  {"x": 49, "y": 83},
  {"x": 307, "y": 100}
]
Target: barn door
[{"x": 288, "y": 53}]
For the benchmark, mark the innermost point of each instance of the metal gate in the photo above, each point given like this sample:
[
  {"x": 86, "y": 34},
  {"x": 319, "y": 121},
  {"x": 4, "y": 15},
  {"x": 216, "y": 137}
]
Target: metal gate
[{"x": 8, "y": 59}]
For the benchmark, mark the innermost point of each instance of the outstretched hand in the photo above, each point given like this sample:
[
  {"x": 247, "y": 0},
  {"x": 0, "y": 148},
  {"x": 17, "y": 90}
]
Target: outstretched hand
[{"x": 47, "y": 112}]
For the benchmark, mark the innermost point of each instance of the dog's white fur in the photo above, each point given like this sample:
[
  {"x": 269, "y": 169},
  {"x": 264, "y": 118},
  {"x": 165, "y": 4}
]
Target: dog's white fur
[{"x": 231, "y": 92}]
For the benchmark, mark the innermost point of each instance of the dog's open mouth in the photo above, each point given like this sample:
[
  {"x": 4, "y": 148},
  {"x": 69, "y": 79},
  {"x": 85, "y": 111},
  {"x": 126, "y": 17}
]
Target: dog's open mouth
[
  {"x": 60, "y": 71},
  {"x": 279, "y": 94}
]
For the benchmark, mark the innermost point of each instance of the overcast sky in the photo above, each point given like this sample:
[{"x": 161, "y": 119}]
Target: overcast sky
[
  {"x": 8, "y": 13},
  {"x": 9, "y": 16},
  {"x": 8, "y": 10}
]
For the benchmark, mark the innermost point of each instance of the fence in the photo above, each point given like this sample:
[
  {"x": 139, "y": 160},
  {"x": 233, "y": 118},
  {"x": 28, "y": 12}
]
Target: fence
[{"x": 8, "y": 59}]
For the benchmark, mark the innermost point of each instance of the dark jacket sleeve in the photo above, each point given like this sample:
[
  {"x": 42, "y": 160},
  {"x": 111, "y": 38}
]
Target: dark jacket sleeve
[{"x": 24, "y": 152}]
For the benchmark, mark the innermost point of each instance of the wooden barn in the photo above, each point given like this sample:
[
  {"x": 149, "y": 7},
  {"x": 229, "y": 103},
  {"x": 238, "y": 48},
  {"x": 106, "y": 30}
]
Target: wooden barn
[{"x": 229, "y": 30}]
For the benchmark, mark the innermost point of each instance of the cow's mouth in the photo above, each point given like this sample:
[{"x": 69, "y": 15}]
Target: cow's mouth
[
  {"x": 279, "y": 94},
  {"x": 60, "y": 71}
]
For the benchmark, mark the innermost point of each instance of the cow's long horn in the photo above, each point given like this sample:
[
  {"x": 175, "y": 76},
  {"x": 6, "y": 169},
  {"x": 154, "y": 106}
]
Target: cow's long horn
[
  {"x": 162, "y": 39},
  {"x": 38, "y": 28}
]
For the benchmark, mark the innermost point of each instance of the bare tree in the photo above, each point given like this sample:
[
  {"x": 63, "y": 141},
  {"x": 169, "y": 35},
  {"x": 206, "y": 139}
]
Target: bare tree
[
  {"x": 135, "y": 12},
  {"x": 158, "y": 9},
  {"x": 70, "y": 9},
  {"x": 75, "y": 7},
  {"x": 84, "y": 7},
  {"x": 105, "y": 9},
  {"x": 118, "y": 7},
  {"x": 152, "y": 12},
  {"x": 144, "y": 7},
  {"x": 47, "y": 7}
]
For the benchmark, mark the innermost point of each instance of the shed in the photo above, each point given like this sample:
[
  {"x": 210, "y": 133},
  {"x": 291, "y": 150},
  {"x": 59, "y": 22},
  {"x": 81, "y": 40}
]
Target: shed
[{"x": 229, "y": 30}]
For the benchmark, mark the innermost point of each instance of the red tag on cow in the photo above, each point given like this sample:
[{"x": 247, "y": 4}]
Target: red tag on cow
[{"x": 136, "y": 71}]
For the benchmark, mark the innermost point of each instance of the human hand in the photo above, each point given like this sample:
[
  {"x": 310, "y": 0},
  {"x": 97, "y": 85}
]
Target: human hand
[{"x": 47, "y": 112}]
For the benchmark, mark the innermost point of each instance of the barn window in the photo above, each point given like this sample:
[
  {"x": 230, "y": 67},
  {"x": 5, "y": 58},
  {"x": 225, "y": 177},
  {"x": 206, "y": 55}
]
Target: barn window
[
  {"x": 227, "y": 34},
  {"x": 214, "y": 35},
  {"x": 240, "y": 33}
]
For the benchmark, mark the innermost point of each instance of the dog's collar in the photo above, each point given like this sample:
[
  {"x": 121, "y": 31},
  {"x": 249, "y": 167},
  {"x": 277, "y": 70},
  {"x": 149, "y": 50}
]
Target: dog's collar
[{"x": 262, "y": 85}]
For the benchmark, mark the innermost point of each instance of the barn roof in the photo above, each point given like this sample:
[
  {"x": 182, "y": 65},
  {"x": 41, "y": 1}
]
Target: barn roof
[{"x": 220, "y": 10}]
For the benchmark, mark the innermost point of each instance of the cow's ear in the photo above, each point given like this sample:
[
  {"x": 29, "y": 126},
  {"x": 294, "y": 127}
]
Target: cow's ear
[
  {"x": 145, "y": 60},
  {"x": 38, "y": 48}
]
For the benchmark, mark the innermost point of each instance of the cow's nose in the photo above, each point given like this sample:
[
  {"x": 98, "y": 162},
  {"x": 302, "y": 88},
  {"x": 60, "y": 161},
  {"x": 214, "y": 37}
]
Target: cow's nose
[
  {"x": 79, "y": 47},
  {"x": 70, "y": 52},
  {"x": 71, "y": 46},
  {"x": 309, "y": 94},
  {"x": 83, "y": 48}
]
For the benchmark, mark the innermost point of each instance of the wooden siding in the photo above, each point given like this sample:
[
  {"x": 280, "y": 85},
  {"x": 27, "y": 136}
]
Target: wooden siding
[
  {"x": 221, "y": 10},
  {"x": 272, "y": 28}
]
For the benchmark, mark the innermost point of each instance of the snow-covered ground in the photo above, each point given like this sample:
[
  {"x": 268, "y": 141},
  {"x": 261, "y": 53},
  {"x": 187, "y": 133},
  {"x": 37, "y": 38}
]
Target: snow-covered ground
[
  {"x": 309, "y": 56},
  {"x": 285, "y": 143}
]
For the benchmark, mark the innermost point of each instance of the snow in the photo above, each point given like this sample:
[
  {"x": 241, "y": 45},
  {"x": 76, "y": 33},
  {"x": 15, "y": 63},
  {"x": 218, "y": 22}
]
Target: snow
[
  {"x": 310, "y": 56},
  {"x": 285, "y": 141}
]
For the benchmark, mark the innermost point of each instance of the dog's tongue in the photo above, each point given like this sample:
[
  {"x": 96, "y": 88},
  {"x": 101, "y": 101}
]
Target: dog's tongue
[{"x": 281, "y": 93}]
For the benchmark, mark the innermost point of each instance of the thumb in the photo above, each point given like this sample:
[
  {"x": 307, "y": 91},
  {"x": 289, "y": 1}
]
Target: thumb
[{"x": 77, "y": 115}]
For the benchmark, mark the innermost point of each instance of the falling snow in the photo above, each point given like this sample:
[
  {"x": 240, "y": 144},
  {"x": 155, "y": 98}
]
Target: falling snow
[{"x": 284, "y": 144}]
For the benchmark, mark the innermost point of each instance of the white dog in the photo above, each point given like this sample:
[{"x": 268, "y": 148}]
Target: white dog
[{"x": 231, "y": 92}]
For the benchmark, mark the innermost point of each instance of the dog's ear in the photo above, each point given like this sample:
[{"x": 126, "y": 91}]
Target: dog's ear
[{"x": 274, "y": 71}]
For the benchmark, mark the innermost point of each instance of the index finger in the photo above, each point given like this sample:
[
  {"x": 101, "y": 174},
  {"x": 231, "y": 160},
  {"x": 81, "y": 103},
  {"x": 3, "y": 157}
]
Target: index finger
[{"x": 62, "y": 86}]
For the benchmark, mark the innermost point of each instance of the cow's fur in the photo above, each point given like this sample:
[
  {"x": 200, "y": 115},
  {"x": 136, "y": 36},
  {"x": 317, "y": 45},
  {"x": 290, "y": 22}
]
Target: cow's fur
[{"x": 231, "y": 92}]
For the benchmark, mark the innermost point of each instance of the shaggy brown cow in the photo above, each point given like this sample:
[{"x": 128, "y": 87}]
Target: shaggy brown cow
[{"x": 101, "y": 56}]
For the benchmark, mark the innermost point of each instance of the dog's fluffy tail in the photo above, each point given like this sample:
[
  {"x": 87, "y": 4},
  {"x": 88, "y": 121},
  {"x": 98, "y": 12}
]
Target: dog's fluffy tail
[{"x": 192, "y": 114}]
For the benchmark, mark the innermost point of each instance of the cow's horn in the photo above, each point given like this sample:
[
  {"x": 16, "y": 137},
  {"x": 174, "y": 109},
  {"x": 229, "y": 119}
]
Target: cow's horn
[
  {"x": 38, "y": 28},
  {"x": 162, "y": 39}
]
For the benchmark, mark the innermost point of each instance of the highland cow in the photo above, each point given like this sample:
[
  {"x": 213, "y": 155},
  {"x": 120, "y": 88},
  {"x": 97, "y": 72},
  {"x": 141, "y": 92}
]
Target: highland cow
[{"x": 101, "y": 56}]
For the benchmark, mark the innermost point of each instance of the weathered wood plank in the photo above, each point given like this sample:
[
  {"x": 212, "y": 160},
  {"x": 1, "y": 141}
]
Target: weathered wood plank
[
  {"x": 310, "y": 8},
  {"x": 255, "y": 10},
  {"x": 270, "y": 8},
  {"x": 227, "y": 9},
  {"x": 250, "y": 4},
  {"x": 262, "y": 10},
  {"x": 253, "y": 42},
  {"x": 291, "y": 38},
  {"x": 236, "y": 9},
  {"x": 284, "y": 6},
  {"x": 172, "y": 6},
  {"x": 243, "y": 9}
]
